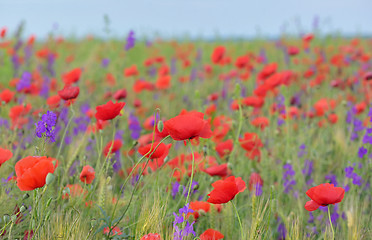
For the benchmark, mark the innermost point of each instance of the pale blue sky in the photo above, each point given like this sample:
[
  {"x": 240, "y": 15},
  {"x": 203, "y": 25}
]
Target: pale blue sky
[{"x": 196, "y": 18}]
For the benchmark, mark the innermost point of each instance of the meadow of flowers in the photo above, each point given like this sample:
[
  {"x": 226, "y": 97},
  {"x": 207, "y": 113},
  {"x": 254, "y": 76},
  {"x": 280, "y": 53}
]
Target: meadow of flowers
[{"x": 160, "y": 139}]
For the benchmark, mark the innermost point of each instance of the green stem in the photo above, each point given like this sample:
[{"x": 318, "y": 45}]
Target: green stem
[
  {"x": 240, "y": 223},
  {"x": 330, "y": 222},
  {"x": 192, "y": 173},
  {"x": 64, "y": 133}
]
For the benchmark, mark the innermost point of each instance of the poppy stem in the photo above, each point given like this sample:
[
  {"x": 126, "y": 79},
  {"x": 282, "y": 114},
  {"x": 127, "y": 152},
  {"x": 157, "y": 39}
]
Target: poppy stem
[
  {"x": 64, "y": 133},
  {"x": 240, "y": 222},
  {"x": 330, "y": 222},
  {"x": 192, "y": 173}
]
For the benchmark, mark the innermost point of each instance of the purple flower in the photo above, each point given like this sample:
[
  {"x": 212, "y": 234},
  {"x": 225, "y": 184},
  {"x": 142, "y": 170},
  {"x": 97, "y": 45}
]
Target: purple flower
[
  {"x": 130, "y": 41},
  {"x": 308, "y": 168},
  {"x": 332, "y": 178},
  {"x": 258, "y": 190},
  {"x": 105, "y": 62},
  {"x": 48, "y": 121},
  {"x": 288, "y": 177},
  {"x": 281, "y": 230},
  {"x": 134, "y": 127},
  {"x": 25, "y": 81},
  {"x": 349, "y": 171},
  {"x": 362, "y": 151},
  {"x": 302, "y": 152},
  {"x": 181, "y": 219}
]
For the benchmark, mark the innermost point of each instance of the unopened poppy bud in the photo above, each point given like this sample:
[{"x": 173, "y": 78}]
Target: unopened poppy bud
[
  {"x": 6, "y": 218},
  {"x": 22, "y": 209},
  {"x": 49, "y": 201},
  {"x": 160, "y": 126},
  {"x": 25, "y": 196},
  {"x": 205, "y": 150},
  {"x": 49, "y": 178},
  {"x": 13, "y": 218},
  {"x": 93, "y": 222}
]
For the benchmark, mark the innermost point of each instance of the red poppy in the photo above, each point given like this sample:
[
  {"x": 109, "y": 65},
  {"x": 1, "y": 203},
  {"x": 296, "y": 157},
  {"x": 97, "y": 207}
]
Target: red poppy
[
  {"x": 188, "y": 126},
  {"x": 160, "y": 151},
  {"x": 211, "y": 234},
  {"x": 292, "y": 50},
  {"x": 218, "y": 54},
  {"x": 225, "y": 148},
  {"x": 32, "y": 171},
  {"x": 72, "y": 77},
  {"x": 333, "y": 118},
  {"x": 151, "y": 236},
  {"x": 53, "y": 101},
  {"x": 3, "y": 32},
  {"x": 120, "y": 94},
  {"x": 116, "y": 145},
  {"x": 226, "y": 190},
  {"x": 254, "y": 179},
  {"x": 75, "y": 191},
  {"x": 253, "y": 101},
  {"x": 6, "y": 95},
  {"x": 5, "y": 155},
  {"x": 260, "y": 122},
  {"x": 87, "y": 175},
  {"x": 114, "y": 231},
  {"x": 109, "y": 110},
  {"x": 199, "y": 207},
  {"x": 218, "y": 170},
  {"x": 323, "y": 195},
  {"x": 131, "y": 71},
  {"x": 69, "y": 92},
  {"x": 163, "y": 82},
  {"x": 18, "y": 115}
]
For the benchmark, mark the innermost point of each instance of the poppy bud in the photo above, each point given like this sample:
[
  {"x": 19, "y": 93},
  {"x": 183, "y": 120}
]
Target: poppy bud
[
  {"x": 22, "y": 209},
  {"x": 160, "y": 126},
  {"x": 13, "y": 218},
  {"x": 49, "y": 178},
  {"x": 25, "y": 196},
  {"x": 6, "y": 218}
]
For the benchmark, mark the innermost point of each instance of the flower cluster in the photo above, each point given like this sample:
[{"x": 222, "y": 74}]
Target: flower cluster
[
  {"x": 131, "y": 40},
  {"x": 179, "y": 233},
  {"x": 46, "y": 125},
  {"x": 288, "y": 177}
]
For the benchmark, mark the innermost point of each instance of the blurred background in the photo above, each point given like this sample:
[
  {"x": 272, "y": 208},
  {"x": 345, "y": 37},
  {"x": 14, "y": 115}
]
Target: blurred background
[{"x": 206, "y": 19}]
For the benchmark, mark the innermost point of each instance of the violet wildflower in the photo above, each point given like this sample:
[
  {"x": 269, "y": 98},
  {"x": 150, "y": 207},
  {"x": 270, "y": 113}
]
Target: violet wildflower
[
  {"x": 288, "y": 177},
  {"x": 131, "y": 40},
  {"x": 46, "y": 126},
  {"x": 134, "y": 127},
  {"x": 302, "y": 151},
  {"x": 175, "y": 189},
  {"x": 258, "y": 189},
  {"x": 24, "y": 81},
  {"x": 362, "y": 151},
  {"x": 173, "y": 68},
  {"x": 282, "y": 232},
  {"x": 105, "y": 62},
  {"x": 332, "y": 178},
  {"x": 180, "y": 233}
]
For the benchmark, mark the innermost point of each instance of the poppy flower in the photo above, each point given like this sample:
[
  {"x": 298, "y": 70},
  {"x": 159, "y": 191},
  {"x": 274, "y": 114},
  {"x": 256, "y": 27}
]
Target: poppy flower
[
  {"x": 260, "y": 122},
  {"x": 225, "y": 148},
  {"x": 188, "y": 126},
  {"x": 131, "y": 71},
  {"x": 211, "y": 234},
  {"x": 109, "y": 110},
  {"x": 217, "y": 170},
  {"x": 75, "y": 191},
  {"x": 151, "y": 236},
  {"x": 226, "y": 190},
  {"x": 114, "y": 231},
  {"x": 254, "y": 179},
  {"x": 32, "y": 171},
  {"x": 3, "y": 32},
  {"x": 116, "y": 145},
  {"x": 292, "y": 50},
  {"x": 218, "y": 54},
  {"x": 5, "y": 155},
  {"x": 53, "y": 101},
  {"x": 199, "y": 207},
  {"x": 87, "y": 174},
  {"x": 6, "y": 95},
  {"x": 120, "y": 94},
  {"x": 323, "y": 195},
  {"x": 69, "y": 92},
  {"x": 160, "y": 151},
  {"x": 72, "y": 77}
]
